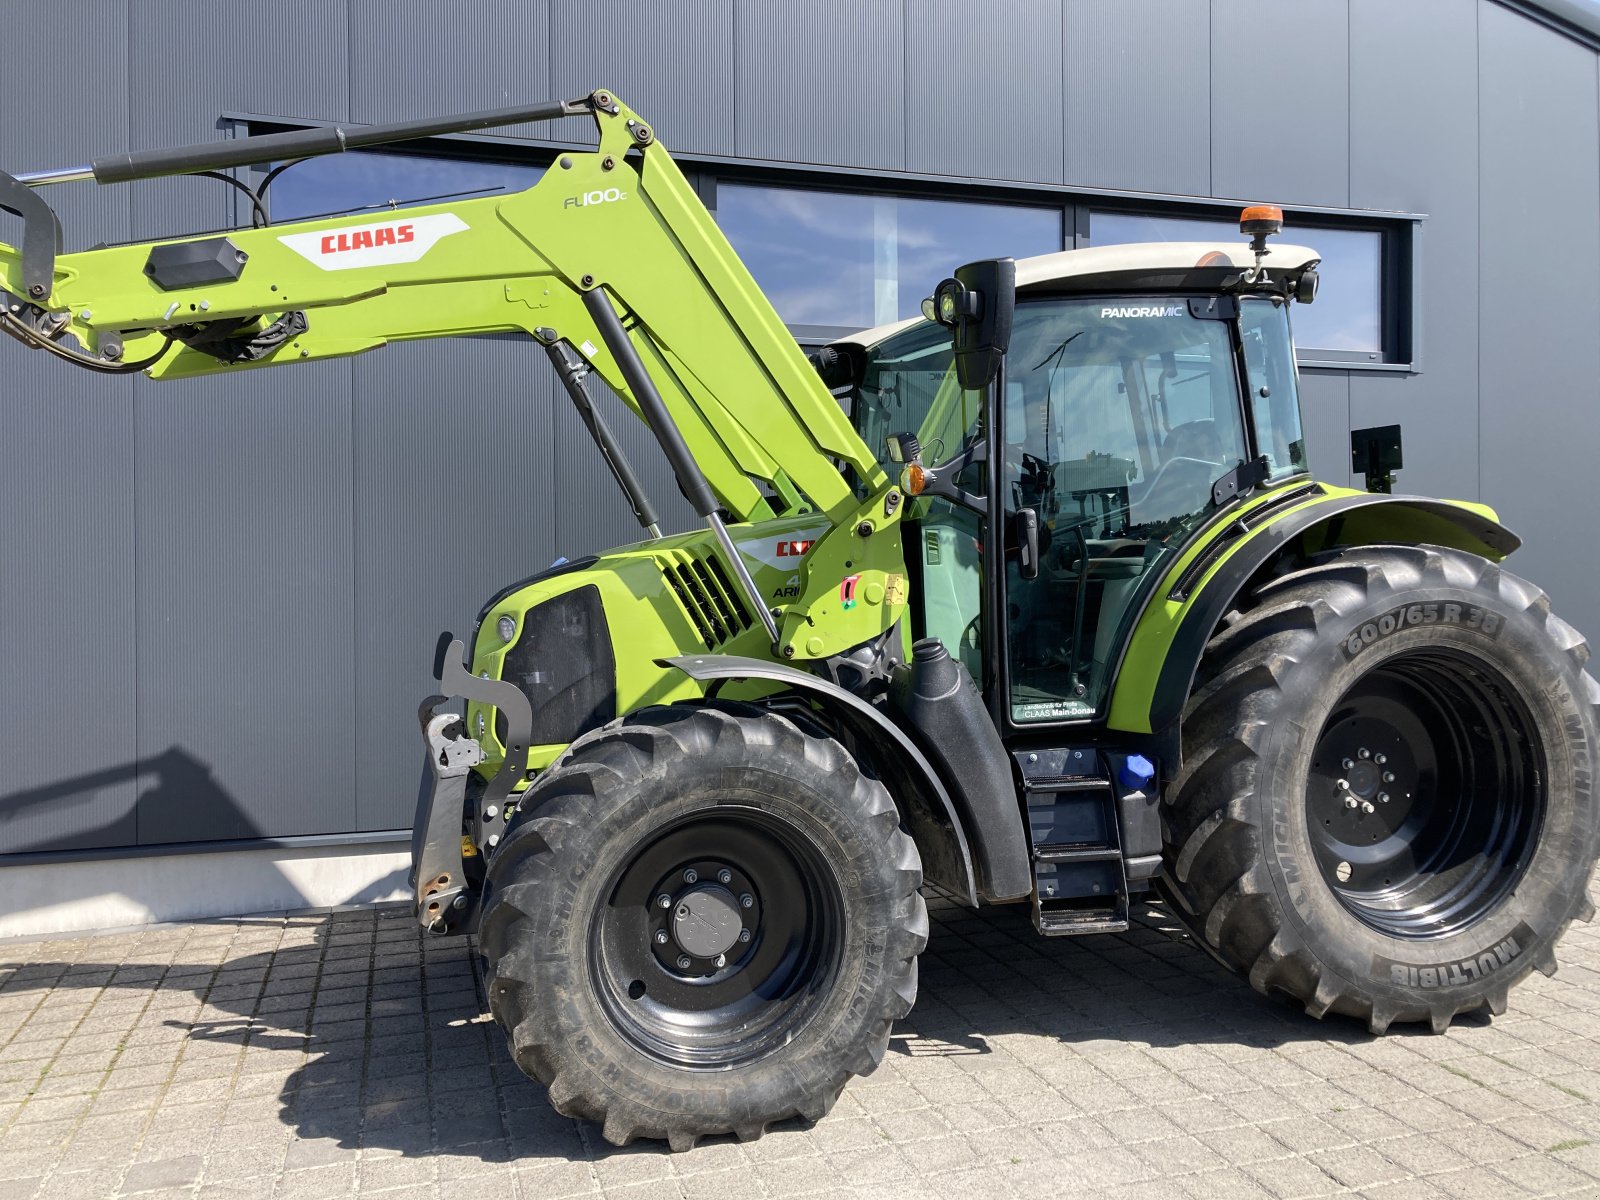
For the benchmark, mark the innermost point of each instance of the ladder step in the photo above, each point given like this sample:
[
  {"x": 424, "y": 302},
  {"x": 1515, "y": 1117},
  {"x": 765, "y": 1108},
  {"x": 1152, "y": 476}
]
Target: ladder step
[
  {"x": 1067, "y": 784},
  {"x": 1069, "y": 922},
  {"x": 1058, "y": 854}
]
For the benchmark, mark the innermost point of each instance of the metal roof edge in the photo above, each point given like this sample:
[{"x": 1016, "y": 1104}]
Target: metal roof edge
[{"x": 1578, "y": 19}]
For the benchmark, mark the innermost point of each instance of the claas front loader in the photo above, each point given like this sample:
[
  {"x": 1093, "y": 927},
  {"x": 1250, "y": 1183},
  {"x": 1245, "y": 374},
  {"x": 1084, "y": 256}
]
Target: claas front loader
[{"x": 1030, "y": 600}]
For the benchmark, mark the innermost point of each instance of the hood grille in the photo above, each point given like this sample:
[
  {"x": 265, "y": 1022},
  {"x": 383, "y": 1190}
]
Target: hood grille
[{"x": 708, "y": 597}]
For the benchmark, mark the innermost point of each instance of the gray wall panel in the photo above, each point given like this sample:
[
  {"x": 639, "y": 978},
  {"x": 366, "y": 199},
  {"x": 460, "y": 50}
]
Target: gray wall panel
[
  {"x": 590, "y": 513},
  {"x": 69, "y": 707},
  {"x": 245, "y": 605},
  {"x": 1411, "y": 149},
  {"x": 1280, "y": 122},
  {"x": 1014, "y": 113},
  {"x": 674, "y": 66},
  {"x": 1325, "y": 413},
  {"x": 1129, "y": 125},
  {"x": 74, "y": 124},
  {"x": 416, "y": 59},
  {"x": 66, "y": 481},
  {"x": 454, "y": 493},
  {"x": 1539, "y": 356},
  {"x": 189, "y": 63},
  {"x": 824, "y": 82}
]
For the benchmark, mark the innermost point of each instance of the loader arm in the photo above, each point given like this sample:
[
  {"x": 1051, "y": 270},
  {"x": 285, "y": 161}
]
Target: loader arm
[{"x": 618, "y": 224}]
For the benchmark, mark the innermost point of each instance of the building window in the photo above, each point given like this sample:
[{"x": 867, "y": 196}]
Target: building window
[
  {"x": 1349, "y": 321},
  {"x": 367, "y": 180},
  {"x": 834, "y": 262}
]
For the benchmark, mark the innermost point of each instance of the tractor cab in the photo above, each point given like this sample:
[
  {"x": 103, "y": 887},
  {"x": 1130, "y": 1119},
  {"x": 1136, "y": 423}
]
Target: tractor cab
[{"x": 1143, "y": 388}]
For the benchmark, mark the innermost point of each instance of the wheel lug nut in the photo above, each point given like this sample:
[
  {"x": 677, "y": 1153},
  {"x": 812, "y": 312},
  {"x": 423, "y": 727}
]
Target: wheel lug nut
[
  {"x": 747, "y": 901},
  {"x": 1366, "y": 806},
  {"x": 661, "y": 937},
  {"x": 1363, "y": 753},
  {"x": 1383, "y": 797},
  {"x": 1380, "y": 759},
  {"x": 744, "y": 935},
  {"x": 1388, "y": 776},
  {"x": 1350, "y": 802},
  {"x": 1342, "y": 785},
  {"x": 691, "y": 876},
  {"x": 724, "y": 876},
  {"x": 683, "y": 962},
  {"x": 722, "y": 960},
  {"x": 1348, "y": 763},
  {"x": 664, "y": 901}
]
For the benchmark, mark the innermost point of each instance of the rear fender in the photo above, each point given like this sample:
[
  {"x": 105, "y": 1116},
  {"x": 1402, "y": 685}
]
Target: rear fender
[
  {"x": 924, "y": 803},
  {"x": 1208, "y": 579}
]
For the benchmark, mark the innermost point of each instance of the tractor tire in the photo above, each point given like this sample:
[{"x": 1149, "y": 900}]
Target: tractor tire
[
  {"x": 701, "y": 920},
  {"x": 1386, "y": 804}
]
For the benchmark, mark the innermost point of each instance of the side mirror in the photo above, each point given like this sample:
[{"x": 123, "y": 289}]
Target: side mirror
[{"x": 976, "y": 306}]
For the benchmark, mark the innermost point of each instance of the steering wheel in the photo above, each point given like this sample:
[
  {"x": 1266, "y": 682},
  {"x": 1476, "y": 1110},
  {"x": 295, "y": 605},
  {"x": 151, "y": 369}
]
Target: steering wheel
[{"x": 1195, "y": 475}]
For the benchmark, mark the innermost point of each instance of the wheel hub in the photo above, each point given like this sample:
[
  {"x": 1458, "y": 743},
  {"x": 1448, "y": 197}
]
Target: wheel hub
[
  {"x": 703, "y": 920},
  {"x": 706, "y": 921},
  {"x": 1363, "y": 780}
]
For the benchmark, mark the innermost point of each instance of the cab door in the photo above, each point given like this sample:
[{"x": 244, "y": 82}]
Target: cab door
[{"x": 1119, "y": 415}]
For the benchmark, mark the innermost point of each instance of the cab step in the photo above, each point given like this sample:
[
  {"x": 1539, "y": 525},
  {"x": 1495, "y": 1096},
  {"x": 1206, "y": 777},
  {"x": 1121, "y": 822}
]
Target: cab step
[
  {"x": 1064, "y": 920},
  {"x": 1079, "y": 882}
]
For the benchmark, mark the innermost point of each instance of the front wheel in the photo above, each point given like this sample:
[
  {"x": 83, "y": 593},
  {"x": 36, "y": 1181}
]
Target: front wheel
[
  {"x": 1386, "y": 807},
  {"x": 702, "y": 920}
]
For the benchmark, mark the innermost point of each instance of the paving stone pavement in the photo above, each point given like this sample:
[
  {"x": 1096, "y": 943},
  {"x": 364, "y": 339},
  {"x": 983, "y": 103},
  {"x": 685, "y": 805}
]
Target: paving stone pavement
[{"x": 345, "y": 1054}]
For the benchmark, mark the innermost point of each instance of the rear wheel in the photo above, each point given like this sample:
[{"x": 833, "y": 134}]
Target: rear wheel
[
  {"x": 701, "y": 921},
  {"x": 1386, "y": 804}
]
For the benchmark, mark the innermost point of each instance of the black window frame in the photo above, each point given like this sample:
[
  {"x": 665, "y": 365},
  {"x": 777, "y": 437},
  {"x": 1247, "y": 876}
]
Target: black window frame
[{"x": 1400, "y": 262}]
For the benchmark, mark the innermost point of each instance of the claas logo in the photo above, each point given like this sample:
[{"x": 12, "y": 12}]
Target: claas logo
[
  {"x": 795, "y": 549},
  {"x": 367, "y": 239}
]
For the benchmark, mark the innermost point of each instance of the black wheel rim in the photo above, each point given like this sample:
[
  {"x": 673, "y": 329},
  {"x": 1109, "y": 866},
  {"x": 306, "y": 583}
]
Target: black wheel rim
[
  {"x": 740, "y": 955},
  {"x": 1426, "y": 793}
]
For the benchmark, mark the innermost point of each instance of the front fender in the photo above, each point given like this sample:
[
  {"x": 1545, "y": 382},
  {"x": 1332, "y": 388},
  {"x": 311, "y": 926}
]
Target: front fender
[
  {"x": 1171, "y": 635},
  {"x": 924, "y": 803}
]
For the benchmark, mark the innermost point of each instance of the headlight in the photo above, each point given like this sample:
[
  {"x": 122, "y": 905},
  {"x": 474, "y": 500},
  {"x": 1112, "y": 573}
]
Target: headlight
[{"x": 507, "y": 628}]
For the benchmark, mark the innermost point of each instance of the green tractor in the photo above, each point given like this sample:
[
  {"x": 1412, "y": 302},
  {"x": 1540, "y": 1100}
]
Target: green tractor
[{"x": 1030, "y": 600}]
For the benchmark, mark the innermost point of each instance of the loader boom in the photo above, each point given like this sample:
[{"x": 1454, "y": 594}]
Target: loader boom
[{"x": 618, "y": 225}]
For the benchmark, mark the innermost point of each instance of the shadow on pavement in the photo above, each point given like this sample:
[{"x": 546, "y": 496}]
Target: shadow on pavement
[{"x": 403, "y": 1057}]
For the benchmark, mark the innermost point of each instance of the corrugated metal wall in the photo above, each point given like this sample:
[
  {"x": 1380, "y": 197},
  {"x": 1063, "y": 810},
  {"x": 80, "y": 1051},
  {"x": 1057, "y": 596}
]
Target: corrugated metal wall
[{"x": 218, "y": 602}]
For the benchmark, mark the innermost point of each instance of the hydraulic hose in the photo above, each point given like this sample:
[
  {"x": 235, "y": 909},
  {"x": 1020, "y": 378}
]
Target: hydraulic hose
[{"x": 19, "y": 330}]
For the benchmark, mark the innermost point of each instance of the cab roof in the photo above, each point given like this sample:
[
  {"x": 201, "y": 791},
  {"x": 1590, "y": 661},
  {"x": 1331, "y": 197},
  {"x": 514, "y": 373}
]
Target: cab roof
[{"x": 1143, "y": 266}]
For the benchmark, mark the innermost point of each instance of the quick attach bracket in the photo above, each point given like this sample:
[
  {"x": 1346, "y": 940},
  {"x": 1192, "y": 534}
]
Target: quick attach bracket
[{"x": 438, "y": 872}]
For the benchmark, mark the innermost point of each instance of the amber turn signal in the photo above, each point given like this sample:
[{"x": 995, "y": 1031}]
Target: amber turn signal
[{"x": 913, "y": 479}]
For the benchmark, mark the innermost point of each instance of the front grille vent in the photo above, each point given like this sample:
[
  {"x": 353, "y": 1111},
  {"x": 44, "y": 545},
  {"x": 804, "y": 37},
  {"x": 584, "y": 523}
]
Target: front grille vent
[
  {"x": 564, "y": 664},
  {"x": 708, "y": 597}
]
